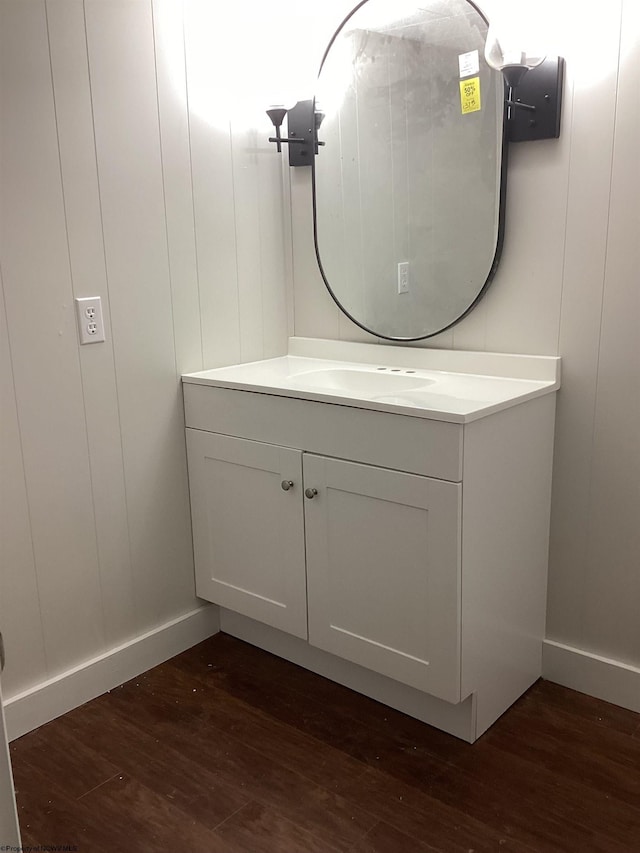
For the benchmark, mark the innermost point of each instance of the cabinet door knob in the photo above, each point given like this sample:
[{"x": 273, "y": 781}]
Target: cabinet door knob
[
  {"x": 311, "y": 493},
  {"x": 285, "y": 485}
]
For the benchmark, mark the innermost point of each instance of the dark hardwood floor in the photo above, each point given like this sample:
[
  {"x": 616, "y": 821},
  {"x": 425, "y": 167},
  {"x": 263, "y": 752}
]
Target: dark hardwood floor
[{"x": 227, "y": 749}]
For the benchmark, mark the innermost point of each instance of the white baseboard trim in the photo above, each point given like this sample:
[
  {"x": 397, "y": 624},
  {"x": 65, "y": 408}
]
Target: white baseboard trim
[
  {"x": 610, "y": 680},
  {"x": 52, "y": 698}
]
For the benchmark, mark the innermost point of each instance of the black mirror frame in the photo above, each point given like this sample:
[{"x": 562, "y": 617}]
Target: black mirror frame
[{"x": 501, "y": 211}]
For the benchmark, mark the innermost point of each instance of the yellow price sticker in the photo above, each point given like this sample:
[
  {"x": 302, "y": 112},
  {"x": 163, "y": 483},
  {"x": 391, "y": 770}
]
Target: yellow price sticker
[{"x": 470, "y": 95}]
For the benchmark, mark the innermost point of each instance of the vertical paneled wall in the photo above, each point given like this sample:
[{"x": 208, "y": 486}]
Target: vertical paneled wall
[
  {"x": 116, "y": 182},
  {"x": 567, "y": 284},
  {"x": 134, "y": 165},
  {"x": 595, "y": 573}
]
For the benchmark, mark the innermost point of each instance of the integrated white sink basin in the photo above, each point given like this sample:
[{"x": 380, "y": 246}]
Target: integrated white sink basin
[
  {"x": 362, "y": 382},
  {"x": 446, "y": 385}
]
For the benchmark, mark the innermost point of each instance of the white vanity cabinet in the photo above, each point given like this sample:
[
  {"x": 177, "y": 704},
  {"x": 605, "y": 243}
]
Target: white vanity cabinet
[{"x": 402, "y": 554}]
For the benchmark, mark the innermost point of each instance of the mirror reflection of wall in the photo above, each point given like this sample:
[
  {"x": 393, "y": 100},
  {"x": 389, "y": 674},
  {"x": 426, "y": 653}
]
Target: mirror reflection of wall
[{"x": 405, "y": 177}]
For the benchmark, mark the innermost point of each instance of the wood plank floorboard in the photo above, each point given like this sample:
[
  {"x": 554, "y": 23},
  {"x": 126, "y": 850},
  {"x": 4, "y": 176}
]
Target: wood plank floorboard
[{"x": 229, "y": 749}]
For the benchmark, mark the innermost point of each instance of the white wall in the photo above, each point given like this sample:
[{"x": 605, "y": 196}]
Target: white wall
[
  {"x": 116, "y": 181},
  {"x": 568, "y": 284}
]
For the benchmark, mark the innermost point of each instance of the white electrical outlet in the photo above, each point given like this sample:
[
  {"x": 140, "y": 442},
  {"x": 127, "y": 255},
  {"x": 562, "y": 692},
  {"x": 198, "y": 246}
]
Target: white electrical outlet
[
  {"x": 90, "y": 322},
  {"x": 403, "y": 277}
]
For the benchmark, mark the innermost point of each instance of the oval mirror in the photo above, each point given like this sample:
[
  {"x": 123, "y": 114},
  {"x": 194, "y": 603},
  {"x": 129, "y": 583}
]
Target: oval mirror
[{"x": 408, "y": 186}]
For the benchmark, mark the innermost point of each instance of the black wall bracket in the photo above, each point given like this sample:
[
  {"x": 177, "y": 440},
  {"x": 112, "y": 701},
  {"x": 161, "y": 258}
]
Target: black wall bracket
[
  {"x": 540, "y": 89},
  {"x": 303, "y": 122}
]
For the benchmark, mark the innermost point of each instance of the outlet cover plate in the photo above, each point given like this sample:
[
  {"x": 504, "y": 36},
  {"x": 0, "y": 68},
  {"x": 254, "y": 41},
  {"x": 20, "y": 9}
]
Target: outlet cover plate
[
  {"x": 403, "y": 277},
  {"x": 90, "y": 321}
]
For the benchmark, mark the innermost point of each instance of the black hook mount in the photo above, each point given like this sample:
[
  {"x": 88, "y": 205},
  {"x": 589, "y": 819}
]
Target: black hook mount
[
  {"x": 535, "y": 112},
  {"x": 303, "y": 122}
]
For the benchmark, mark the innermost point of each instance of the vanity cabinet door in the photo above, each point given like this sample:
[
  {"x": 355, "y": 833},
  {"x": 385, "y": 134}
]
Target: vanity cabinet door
[
  {"x": 383, "y": 571},
  {"x": 248, "y": 531}
]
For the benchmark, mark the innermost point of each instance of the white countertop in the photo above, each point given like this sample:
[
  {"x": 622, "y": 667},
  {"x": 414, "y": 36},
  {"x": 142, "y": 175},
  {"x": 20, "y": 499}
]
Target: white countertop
[{"x": 447, "y": 385}]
